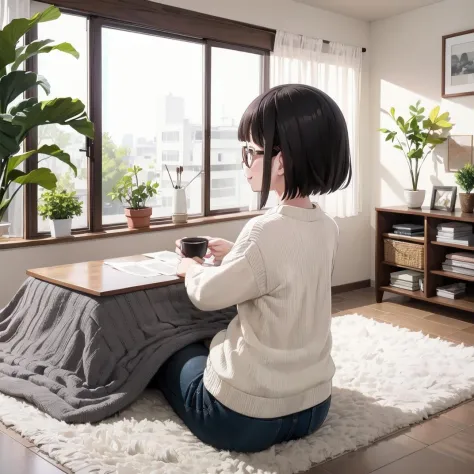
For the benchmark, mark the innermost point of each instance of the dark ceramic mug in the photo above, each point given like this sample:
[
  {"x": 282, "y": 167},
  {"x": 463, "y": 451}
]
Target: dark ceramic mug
[{"x": 194, "y": 247}]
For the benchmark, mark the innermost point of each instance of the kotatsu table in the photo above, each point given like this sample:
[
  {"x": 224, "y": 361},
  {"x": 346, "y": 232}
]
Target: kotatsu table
[
  {"x": 98, "y": 279},
  {"x": 82, "y": 341}
]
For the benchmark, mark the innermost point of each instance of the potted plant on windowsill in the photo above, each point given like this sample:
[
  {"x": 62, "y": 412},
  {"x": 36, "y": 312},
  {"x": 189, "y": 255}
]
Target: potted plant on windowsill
[
  {"x": 19, "y": 117},
  {"x": 465, "y": 180},
  {"x": 59, "y": 207},
  {"x": 416, "y": 138},
  {"x": 130, "y": 191}
]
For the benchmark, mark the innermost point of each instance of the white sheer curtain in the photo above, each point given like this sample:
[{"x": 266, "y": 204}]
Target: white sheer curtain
[
  {"x": 335, "y": 69},
  {"x": 9, "y": 10}
]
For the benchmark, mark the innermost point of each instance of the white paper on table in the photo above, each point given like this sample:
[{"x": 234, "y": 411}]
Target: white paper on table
[
  {"x": 165, "y": 256},
  {"x": 146, "y": 268}
]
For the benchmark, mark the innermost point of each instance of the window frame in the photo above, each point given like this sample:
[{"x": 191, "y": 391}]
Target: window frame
[{"x": 93, "y": 148}]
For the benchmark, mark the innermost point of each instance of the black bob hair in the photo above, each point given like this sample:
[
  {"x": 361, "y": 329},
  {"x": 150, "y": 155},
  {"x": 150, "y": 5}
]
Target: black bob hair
[{"x": 308, "y": 127}]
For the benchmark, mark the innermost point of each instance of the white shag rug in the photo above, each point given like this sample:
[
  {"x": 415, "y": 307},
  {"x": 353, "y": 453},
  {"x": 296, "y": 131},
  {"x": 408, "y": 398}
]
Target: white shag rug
[{"x": 387, "y": 378}]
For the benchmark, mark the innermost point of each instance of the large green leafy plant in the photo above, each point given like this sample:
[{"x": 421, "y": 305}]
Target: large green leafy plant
[
  {"x": 19, "y": 116},
  {"x": 417, "y": 136}
]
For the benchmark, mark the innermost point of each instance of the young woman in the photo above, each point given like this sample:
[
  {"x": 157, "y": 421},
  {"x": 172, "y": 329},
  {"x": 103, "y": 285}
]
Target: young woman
[{"x": 267, "y": 378}]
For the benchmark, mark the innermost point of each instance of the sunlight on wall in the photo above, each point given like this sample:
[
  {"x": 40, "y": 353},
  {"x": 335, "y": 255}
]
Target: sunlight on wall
[{"x": 392, "y": 175}]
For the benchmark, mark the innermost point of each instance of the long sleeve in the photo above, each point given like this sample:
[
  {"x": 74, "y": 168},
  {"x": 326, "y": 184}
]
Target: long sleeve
[{"x": 241, "y": 277}]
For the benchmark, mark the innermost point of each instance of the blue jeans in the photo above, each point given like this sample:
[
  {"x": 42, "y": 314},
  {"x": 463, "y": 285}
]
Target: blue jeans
[{"x": 181, "y": 381}]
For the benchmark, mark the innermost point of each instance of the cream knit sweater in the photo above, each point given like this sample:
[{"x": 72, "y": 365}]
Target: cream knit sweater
[{"x": 274, "y": 359}]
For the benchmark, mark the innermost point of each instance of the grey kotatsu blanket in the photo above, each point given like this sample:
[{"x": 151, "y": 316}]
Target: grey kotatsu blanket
[{"x": 81, "y": 358}]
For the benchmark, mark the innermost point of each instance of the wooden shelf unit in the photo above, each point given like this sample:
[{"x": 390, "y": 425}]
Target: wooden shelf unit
[{"x": 435, "y": 253}]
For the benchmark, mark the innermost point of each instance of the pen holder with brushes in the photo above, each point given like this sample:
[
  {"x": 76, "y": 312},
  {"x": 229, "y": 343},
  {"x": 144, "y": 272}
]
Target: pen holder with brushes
[{"x": 180, "y": 211}]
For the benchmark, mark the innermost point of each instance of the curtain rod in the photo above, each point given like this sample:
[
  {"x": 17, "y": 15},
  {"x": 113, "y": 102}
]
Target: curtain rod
[{"x": 327, "y": 42}]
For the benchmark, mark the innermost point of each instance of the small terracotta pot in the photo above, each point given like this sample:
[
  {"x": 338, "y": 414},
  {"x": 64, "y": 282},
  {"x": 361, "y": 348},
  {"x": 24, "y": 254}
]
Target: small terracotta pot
[
  {"x": 138, "y": 218},
  {"x": 467, "y": 202}
]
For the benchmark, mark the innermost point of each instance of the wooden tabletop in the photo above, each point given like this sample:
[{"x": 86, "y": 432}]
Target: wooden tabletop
[{"x": 96, "y": 278}]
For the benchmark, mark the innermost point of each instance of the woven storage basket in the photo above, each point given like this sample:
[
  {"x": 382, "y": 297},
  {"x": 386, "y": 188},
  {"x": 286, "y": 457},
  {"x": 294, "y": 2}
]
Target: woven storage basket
[{"x": 404, "y": 253}]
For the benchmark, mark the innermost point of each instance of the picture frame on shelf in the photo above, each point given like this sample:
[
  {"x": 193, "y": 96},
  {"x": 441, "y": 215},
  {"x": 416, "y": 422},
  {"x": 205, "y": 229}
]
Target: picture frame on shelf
[
  {"x": 458, "y": 64},
  {"x": 459, "y": 152},
  {"x": 443, "y": 198}
]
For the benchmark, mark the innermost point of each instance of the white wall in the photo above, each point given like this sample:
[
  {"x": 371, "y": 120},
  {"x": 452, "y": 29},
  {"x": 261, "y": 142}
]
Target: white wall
[
  {"x": 406, "y": 66},
  {"x": 353, "y": 259}
]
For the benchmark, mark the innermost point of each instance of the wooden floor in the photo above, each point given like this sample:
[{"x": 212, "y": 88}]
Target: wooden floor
[{"x": 444, "y": 444}]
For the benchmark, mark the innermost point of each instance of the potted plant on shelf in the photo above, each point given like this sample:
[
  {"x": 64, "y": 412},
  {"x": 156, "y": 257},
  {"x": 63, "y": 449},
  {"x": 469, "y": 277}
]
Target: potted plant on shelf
[
  {"x": 19, "y": 117},
  {"x": 465, "y": 180},
  {"x": 416, "y": 138},
  {"x": 129, "y": 191},
  {"x": 59, "y": 206}
]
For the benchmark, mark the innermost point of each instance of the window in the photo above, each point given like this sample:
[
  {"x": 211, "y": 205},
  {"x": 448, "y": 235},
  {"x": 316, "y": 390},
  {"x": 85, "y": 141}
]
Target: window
[
  {"x": 171, "y": 136},
  {"x": 239, "y": 72},
  {"x": 68, "y": 76},
  {"x": 170, "y": 156},
  {"x": 155, "y": 99},
  {"x": 223, "y": 183},
  {"x": 149, "y": 108}
]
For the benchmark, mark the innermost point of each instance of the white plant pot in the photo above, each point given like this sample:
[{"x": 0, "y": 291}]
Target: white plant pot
[
  {"x": 4, "y": 226},
  {"x": 180, "y": 209},
  {"x": 60, "y": 228},
  {"x": 414, "y": 199}
]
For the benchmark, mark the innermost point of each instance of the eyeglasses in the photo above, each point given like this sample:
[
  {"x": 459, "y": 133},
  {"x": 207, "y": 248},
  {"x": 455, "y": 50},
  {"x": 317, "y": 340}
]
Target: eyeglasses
[{"x": 249, "y": 154}]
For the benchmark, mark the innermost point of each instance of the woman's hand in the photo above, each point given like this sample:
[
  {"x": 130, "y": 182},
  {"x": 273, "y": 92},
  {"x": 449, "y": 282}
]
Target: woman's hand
[
  {"x": 218, "y": 248},
  {"x": 186, "y": 264}
]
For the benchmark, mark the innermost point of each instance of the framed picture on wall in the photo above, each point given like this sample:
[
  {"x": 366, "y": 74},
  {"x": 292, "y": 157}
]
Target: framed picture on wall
[
  {"x": 458, "y": 64},
  {"x": 459, "y": 151},
  {"x": 443, "y": 198}
]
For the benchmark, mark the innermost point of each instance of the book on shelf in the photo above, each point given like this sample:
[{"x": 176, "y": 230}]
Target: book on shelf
[
  {"x": 406, "y": 275},
  {"x": 408, "y": 234},
  {"x": 459, "y": 263},
  {"x": 467, "y": 241},
  {"x": 457, "y": 287},
  {"x": 453, "y": 227},
  {"x": 450, "y": 296},
  {"x": 403, "y": 287},
  {"x": 455, "y": 235},
  {"x": 404, "y": 284},
  {"x": 409, "y": 228},
  {"x": 461, "y": 256},
  {"x": 461, "y": 271}
]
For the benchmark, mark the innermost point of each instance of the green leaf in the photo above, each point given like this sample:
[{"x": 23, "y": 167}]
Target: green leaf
[
  {"x": 444, "y": 124},
  {"x": 56, "y": 152},
  {"x": 9, "y": 145},
  {"x": 24, "y": 104},
  {"x": 17, "y": 83},
  {"x": 444, "y": 116},
  {"x": 50, "y": 150},
  {"x": 16, "y": 160},
  {"x": 43, "y": 177},
  {"x": 384, "y": 130},
  {"x": 413, "y": 109},
  {"x": 17, "y": 28},
  {"x": 434, "y": 114},
  {"x": 63, "y": 111},
  {"x": 427, "y": 123},
  {"x": 392, "y": 112},
  {"x": 398, "y": 147},
  {"x": 38, "y": 47}
]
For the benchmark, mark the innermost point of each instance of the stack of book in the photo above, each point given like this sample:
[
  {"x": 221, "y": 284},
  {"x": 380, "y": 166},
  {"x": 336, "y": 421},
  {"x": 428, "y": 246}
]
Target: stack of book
[
  {"x": 406, "y": 280},
  {"x": 453, "y": 291},
  {"x": 455, "y": 233},
  {"x": 411, "y": 230},
  {"x": 460, "y": 262}
]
